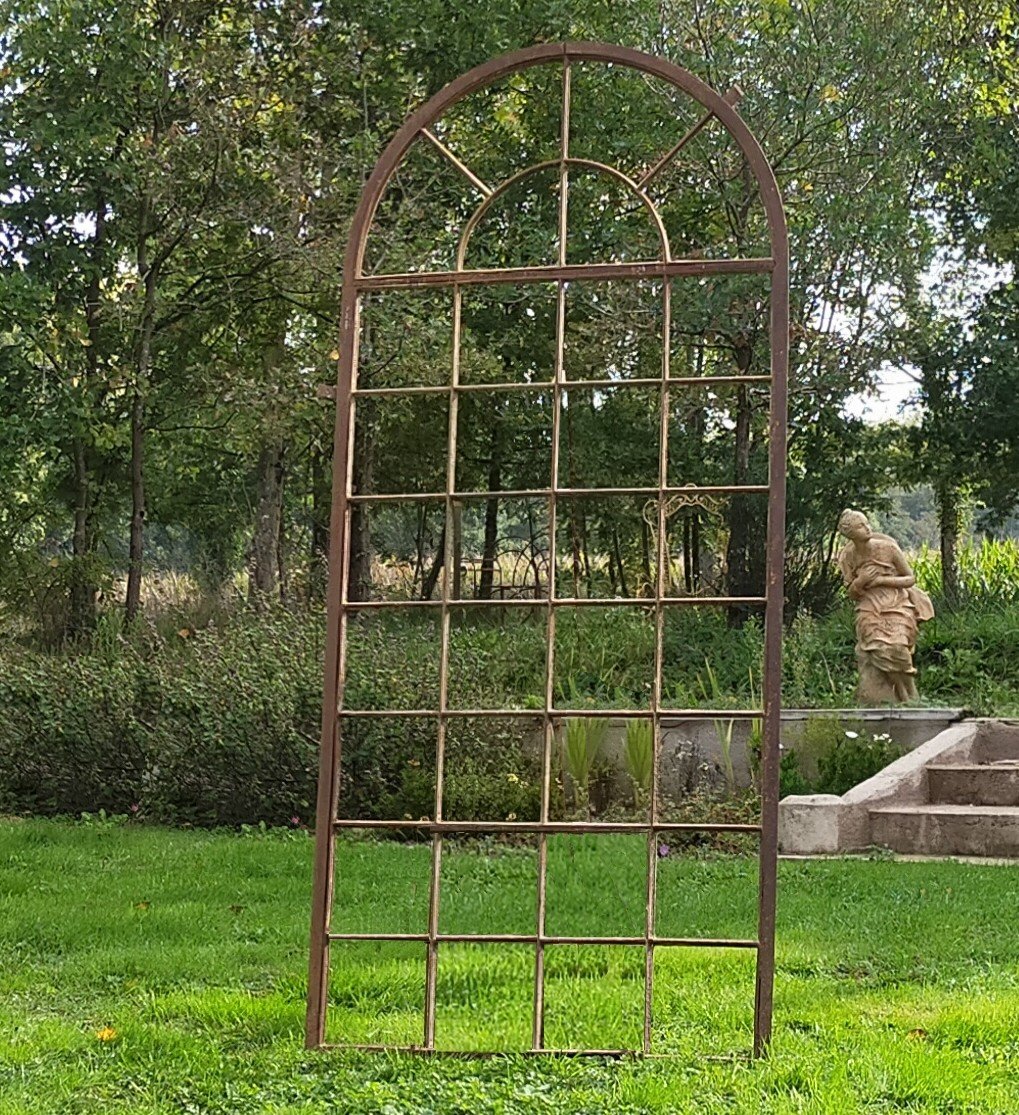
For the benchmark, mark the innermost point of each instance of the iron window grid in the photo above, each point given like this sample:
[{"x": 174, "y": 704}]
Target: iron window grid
[{"x": 346, "y": 394}]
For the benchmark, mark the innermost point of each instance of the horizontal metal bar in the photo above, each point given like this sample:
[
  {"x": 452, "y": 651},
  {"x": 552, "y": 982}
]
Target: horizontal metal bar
[
  {"x": 556, "y": 713},
  {"x": 548, "y": 273},
  {"x": 479, "y": 1054},
  {"x": 665, "y": 601},
  {"x": 544, "y": 493},
  {"x": 657, "y": 942},
  {"x": 555, "y": 602},
  {"x": 709, "y": 381},
  {"x": 547, "y": 939},
  {"x": 537, "y": 827},
  {"x": 506, "y": 385},
  {"x": 421, "y": 938},
  {"x": 543, "y": 385}
]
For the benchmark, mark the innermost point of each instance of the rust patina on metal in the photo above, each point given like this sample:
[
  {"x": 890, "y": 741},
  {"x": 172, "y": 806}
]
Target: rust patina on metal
[{"x": 355, "y": 285}]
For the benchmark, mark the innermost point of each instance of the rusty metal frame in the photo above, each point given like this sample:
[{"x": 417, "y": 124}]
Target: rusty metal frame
[{"x": 355, "y": 284}]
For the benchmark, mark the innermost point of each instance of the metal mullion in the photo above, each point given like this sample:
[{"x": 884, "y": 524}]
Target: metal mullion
[
  {"x": 672, "y": 489},
  {"x": 537, "y": 827},
  {"x": 420, "y": 938},
  {"x": 334, "y": 676},
  {"x": 412, "y": 390},
  {"x": 576, "y": 272},
  {"x": 557, "y": 713},
  {"x": 540, "y": 493},
  {"x": 772, "y": 680},
  {"x": 711, "y": 381},
  {"x": 484, "y": 1054},
  {"x": 435, "y": 889},
  {"x": 559, "y": 602},
  {"x": 538, "y": 1017},
  {"x": 733, "y": 98},
  {"x": 531, "y": 938},
  {"x": 483, "y": 189},
  {"x": 661, "y": 588}
]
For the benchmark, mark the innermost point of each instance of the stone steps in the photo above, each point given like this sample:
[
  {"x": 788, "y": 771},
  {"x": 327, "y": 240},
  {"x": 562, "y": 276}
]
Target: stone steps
[
  {"x": 997, "y": 743},
  {"x": 972, "y": 806},
  {"x": 956, "y": 794},
  {"x": 946, "y": 829},
  {"x": 995, "y": 783}
]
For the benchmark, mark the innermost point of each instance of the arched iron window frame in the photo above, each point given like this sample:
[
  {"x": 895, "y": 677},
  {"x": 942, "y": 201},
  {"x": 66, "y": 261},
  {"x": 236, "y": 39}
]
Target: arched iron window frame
[{"x": 355, "y": 284}]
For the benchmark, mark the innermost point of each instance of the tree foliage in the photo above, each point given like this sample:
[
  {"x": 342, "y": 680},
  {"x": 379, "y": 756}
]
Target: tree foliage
[{"x": 176, "y": 186}]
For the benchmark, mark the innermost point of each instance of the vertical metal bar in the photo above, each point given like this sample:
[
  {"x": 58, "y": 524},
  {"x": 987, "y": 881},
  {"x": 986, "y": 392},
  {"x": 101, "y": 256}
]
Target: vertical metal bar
[
  {"x": 538, "y": 1019},
  {"x": 661, "y": 588},
  {"x": 538, "y": 1015},
  {"x": 772, "y": 684},
  {"x": 448, "y": 580},
  {"x": 334, "y": 673},
  {"x": 564, "y": 154},
  {"x": 432, "y": 948}
]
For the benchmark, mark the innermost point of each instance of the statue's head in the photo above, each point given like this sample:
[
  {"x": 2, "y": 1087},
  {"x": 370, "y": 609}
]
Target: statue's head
[{"x": 854, "y": 526}]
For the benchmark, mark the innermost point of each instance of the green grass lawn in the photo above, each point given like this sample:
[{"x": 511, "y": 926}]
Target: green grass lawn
[{"x": 145, "y": 970}]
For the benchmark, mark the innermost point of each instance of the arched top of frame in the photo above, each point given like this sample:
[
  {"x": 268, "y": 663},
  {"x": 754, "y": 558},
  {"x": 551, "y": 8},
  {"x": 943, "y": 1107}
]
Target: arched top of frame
[
  {"x": 536, "y": 168},
  {"x": 420, "y": 123}
]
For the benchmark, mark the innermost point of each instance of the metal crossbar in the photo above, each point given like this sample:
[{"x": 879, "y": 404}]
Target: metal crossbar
[
  {"x": 565, "y": 273},
  {"x": 547, "y": 604},
  {"x": 557, "y": 493},
  {"x": 707, "y": 382}
]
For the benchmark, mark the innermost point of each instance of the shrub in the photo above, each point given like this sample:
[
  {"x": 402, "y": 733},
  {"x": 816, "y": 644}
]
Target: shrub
[
  {"x": 221, "y": 726},
  {"x": 235, "y": 736},
  {"x": 70, "y": 737},
  {"x": 831, "y": 758},
  {"x": 854, "y": 759}
]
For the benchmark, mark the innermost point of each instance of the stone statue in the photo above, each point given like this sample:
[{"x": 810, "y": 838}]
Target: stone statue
[{"x": 889, "y": 611}]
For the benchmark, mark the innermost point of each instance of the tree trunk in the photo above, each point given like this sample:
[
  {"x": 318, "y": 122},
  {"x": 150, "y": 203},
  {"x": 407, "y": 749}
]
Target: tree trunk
[
  {"x": 282, "y": 569},
  {"x": 456, "y": 571},
  {"x": 136, "y": 541},
  {"x": 575, "y": 525},
  {"x": 533, "y": 555},
  {"x": 318, "y": 558},
  {"x": 687, "y": 554},
  {"x": 645, "y": 555},
  {"x": 694, "y": 515},
  {"x": 83, "y": 588},
  {"x": 947, "y": 498},
  {"x": 432, "y": 576},
  {"x": 359, "y": 572},
  {"x": 264, "y": 582},
  {"x": 739, "y": 559},
  {"x": 624, "y": 589},
  {"x": 585, "y": 557},
  {"x": 418, "y": 573},
  {"x": 143, "y": 369}
]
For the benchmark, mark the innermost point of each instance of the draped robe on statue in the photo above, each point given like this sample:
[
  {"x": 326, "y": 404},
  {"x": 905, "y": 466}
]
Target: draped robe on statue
[{"x": 887, "y": 619}]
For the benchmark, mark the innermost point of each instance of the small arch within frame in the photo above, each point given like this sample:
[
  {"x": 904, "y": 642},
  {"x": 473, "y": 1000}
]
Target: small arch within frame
[
  {"x": 557, "y": 164},
  {"x": 354, "y": 282}
]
